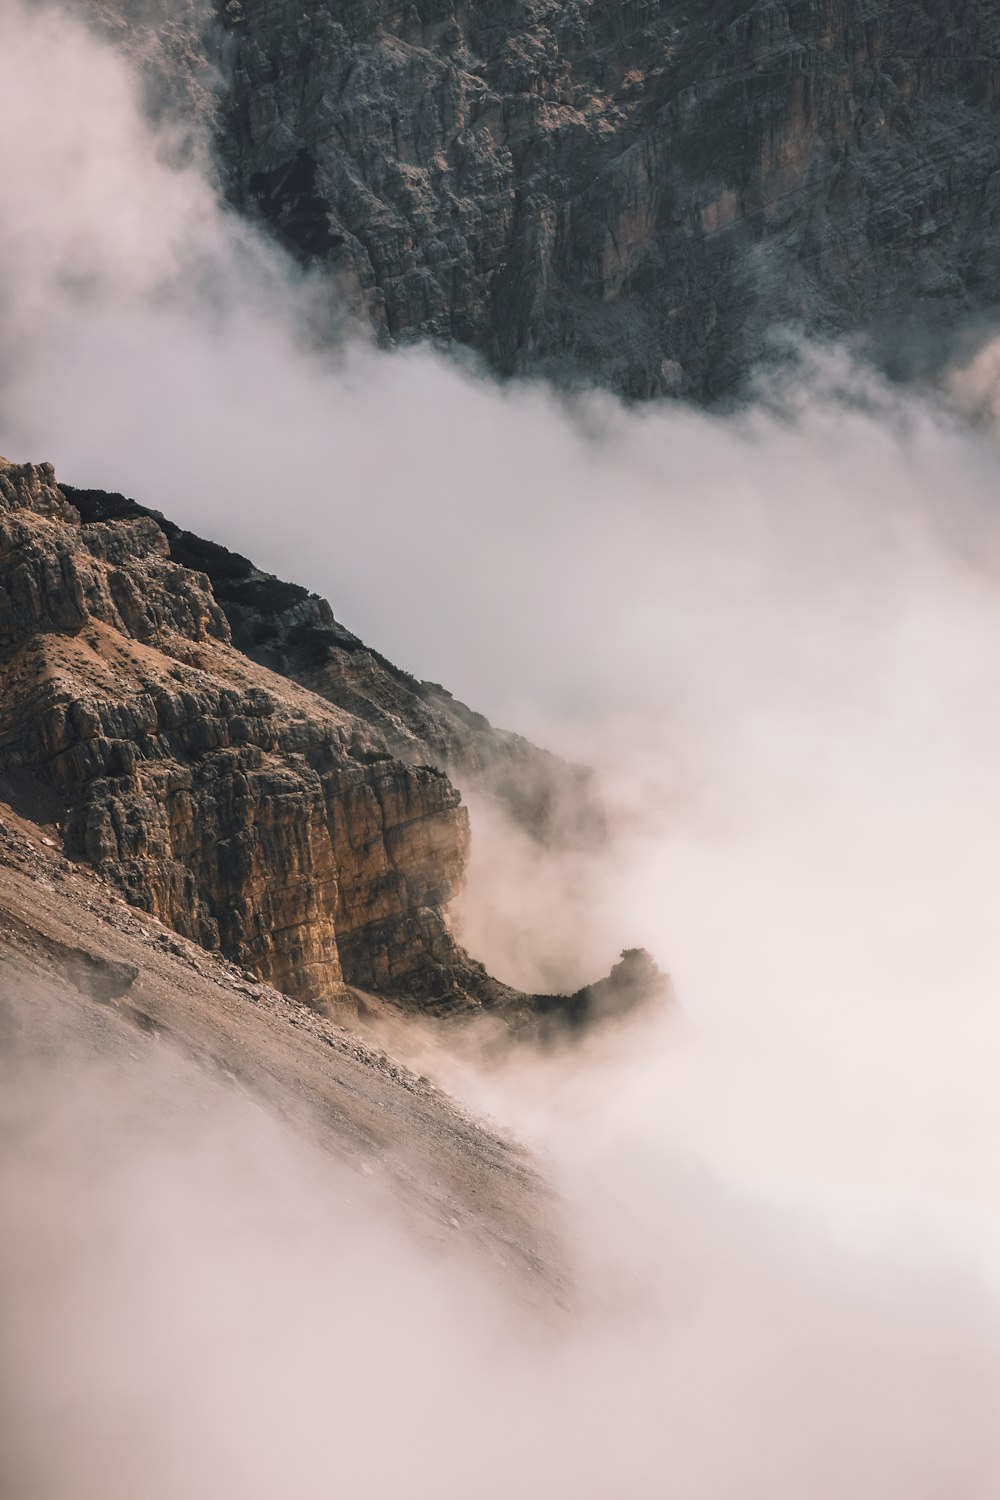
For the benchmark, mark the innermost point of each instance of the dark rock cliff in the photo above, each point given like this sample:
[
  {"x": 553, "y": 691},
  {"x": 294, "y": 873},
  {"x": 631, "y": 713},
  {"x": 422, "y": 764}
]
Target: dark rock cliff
[
  {"x": 623, "y": 192},
  {"x": 628, "y": 191}
]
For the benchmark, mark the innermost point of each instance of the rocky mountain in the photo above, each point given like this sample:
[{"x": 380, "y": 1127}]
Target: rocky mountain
[
  {"x": 627, "y": 192},
  {"x": 283, "y": 627},
  {"x": 241, "y": 809}
]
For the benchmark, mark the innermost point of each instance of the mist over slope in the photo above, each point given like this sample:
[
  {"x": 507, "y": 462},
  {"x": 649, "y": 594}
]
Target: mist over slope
[
  {"x": 778, "y": 636},
  {"x": 243, "y": 1256}
]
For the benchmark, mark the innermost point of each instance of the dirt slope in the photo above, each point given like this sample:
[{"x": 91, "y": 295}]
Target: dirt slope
[{"x": 70, "y": 946}]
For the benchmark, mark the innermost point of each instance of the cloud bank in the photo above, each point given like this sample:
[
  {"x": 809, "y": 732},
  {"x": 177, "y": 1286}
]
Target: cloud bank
[{"x": 777, "y": 634}]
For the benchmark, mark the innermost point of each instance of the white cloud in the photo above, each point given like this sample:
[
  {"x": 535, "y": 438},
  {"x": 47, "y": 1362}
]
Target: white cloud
[{"x": 778, "y": 633}]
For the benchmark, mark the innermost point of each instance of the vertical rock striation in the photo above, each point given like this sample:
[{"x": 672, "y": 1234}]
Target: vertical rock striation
[
  {"x": 240, "y": 809},
  {"x": 622, "y": 192}
]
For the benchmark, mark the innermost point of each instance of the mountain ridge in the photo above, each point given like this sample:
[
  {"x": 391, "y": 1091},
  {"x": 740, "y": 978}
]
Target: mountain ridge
[
  {"x": 248, "y": 812},
  {"x": 288, "y": 629}
]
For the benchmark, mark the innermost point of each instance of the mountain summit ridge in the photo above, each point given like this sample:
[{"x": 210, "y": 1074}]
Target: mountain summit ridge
[{"x": 240, "y": 808}]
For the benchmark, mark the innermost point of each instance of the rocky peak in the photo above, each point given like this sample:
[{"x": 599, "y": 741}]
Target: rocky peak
[
  {"x": 283, "y": 627},
  {"x": 247, "y": 812},
  {"x": 32, "y": 487},
  {"x": 237, "y": 808}
]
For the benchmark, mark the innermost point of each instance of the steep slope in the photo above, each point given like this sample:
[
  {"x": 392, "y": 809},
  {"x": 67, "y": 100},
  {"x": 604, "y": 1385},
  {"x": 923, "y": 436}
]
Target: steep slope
[
  {"x": 288, "y": 630},
  {"x": 242, "y": 810},
  {"x": 86, "y": 980}
]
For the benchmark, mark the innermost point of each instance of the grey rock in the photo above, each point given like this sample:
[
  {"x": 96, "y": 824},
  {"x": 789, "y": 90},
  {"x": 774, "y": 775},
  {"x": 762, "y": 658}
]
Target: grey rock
[{"x": 630, "y": 193}]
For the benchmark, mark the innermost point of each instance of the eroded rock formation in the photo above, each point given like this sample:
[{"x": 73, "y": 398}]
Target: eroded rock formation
[
  {"x": 616, "y": 191},
  {"x": 626, "y": 192},
  {"x": 238, "y": 808},
  {"x": 285, "y": 628},
  {"x": 256, "y": 816}
]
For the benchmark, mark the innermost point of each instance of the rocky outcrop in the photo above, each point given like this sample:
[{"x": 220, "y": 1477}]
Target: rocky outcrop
[
  {"x": 239, "y": 809},
  {"x": 627, "y": 191},
  {"x": 247, "y": 812},
  {"x": 623, "y": 192},
  {"x": 635, "y": 983},
  {"x": 290, "y": 631}
]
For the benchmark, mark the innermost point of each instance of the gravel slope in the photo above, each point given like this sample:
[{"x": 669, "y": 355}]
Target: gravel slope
[{"x": 76, "y": 961}]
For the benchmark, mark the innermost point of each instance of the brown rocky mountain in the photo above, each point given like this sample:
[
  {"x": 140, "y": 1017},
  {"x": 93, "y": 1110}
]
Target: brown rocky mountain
[
  {"x": 285, "y": 628},
  {"x": 630, "y": 192},
  {"x": 243, "y": 810}
]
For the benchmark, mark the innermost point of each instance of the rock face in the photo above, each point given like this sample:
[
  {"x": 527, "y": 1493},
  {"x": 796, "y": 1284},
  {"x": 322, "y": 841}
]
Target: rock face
[
  {"x": 305, "y": 829},
  {"x": 292, "y": 632},
  {"x": 627, "y": 191},
  {"x": 241, "y": 810},
  {"x": 622, "y": 192}
]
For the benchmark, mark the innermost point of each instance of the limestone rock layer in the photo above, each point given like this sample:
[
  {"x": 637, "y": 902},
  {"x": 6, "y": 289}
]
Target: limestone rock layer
[{"x": 239, "y": 808}]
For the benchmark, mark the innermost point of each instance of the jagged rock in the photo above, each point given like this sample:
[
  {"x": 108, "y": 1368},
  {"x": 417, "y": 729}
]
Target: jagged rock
[
  {"x": 248, "y": 813},
  {"x": 285, "y": 628},
  {"x": 217, "y": 796},
  {"x": 629, "y": 192}
]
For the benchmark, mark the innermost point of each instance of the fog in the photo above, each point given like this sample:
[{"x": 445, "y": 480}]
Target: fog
[
  {"x": 776, "y": 633},
  {"x": 198, "y": 1303}
]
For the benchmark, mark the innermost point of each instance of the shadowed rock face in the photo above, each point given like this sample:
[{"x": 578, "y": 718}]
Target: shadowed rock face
[{"x": 627, "y": 191}]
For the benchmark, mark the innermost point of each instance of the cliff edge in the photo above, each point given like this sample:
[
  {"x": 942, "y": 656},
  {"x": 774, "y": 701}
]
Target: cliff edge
[{"x": 239, "y": 807}]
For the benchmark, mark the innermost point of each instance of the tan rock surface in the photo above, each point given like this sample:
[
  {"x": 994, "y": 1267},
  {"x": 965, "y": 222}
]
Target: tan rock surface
[
  {"x": 256, "y": 817},
  {"x": 233, "y": 805},
  {"x": 629, "y": 194}
]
